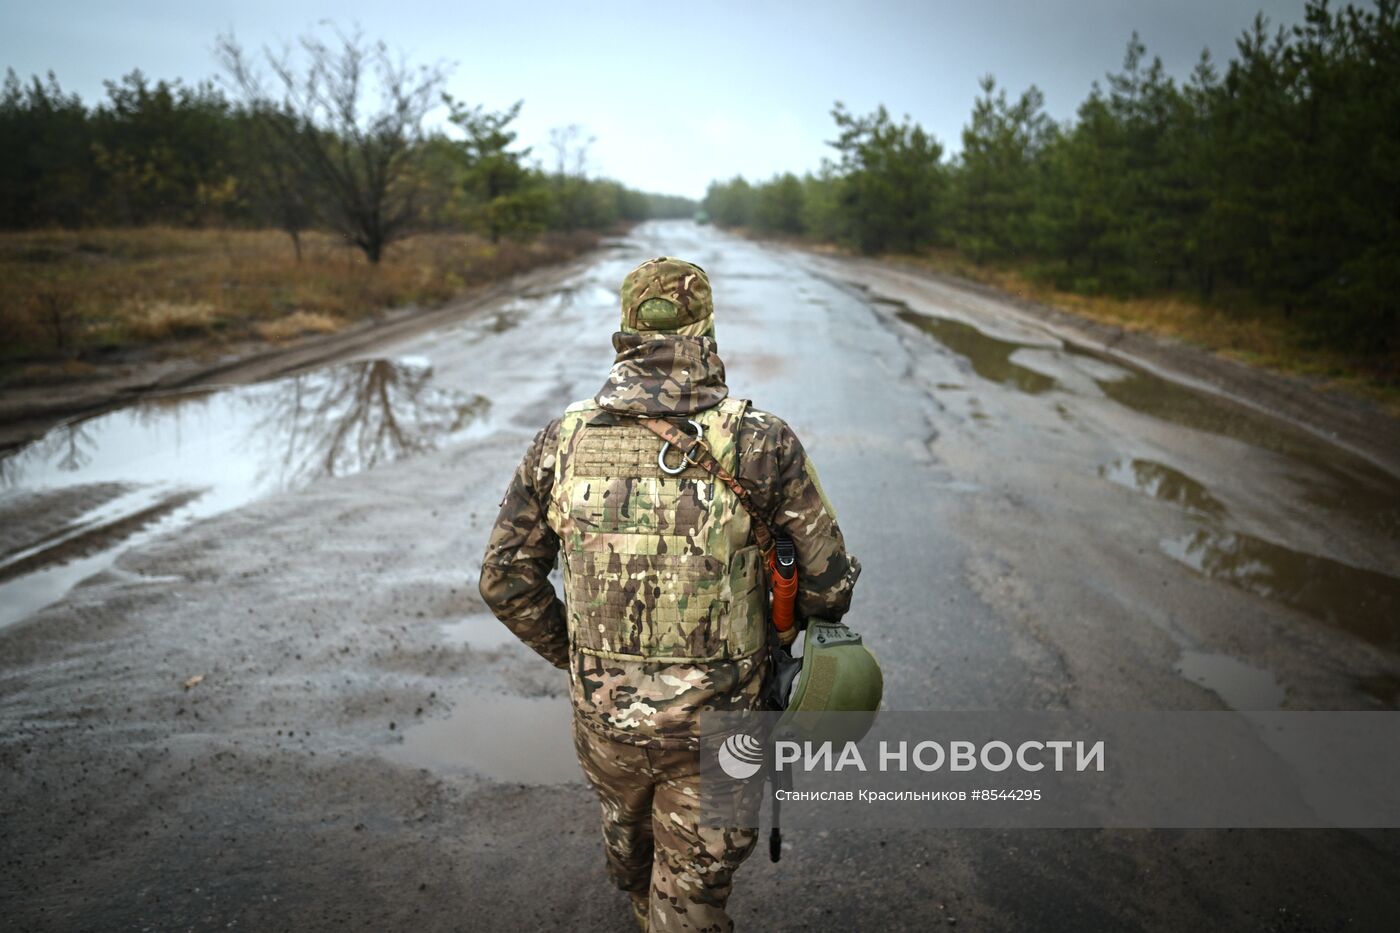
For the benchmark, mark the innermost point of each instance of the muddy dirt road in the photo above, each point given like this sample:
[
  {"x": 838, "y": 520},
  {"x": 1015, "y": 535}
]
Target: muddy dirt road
[{"x": 246, "y": 681}]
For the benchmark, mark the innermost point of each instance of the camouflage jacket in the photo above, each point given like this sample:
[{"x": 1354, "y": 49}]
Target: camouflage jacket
[{"x": 662, "y": 375}]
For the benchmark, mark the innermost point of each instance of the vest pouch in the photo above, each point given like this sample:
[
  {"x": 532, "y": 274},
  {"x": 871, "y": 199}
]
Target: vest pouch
[{"x": 748, "y": 587}]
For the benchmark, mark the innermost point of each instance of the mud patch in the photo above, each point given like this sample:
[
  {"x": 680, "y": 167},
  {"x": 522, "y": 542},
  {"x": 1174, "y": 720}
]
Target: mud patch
[
  {"x": 501, "y": 322},
  {"x": 507, "y": 739},
  {"x": 1358, "y": 601}
]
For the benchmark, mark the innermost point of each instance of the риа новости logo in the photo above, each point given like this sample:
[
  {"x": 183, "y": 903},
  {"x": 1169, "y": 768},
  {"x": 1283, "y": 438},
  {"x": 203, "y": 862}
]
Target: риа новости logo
[{"x": 741, "y": 756}]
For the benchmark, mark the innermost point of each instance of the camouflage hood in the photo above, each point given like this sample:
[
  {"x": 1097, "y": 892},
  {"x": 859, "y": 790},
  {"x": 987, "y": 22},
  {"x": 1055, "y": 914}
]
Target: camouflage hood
[{"x": 660, "y": 374}]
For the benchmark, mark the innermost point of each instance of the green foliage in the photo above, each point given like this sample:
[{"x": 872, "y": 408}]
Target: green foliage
[
  {"x": 997, "y": 176},
  {"x": 778, "y": 207},
  {"x": 822, "y": 214},
  {"x": 730, "y": 203},
  {"x": 151, "y": 153},
  {"x": 775, "y": 206},
  {"x": 505, "y": 197},
  {"x": 892, "y": 184},
  {"x": 163, "y": 150},
  {"x": 667, "y": 206},
  {"x": 46, "y": 167},
  {"x": 186, "y": 156},
  {"x": 1274, "y": 185}
]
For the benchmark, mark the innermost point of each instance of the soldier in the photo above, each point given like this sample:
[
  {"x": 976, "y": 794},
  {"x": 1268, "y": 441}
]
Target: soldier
[{"x": 665, "y": 587}]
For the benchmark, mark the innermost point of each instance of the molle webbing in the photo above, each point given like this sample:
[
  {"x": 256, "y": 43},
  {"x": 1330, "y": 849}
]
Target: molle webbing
[{"x": 656, "y": 567}]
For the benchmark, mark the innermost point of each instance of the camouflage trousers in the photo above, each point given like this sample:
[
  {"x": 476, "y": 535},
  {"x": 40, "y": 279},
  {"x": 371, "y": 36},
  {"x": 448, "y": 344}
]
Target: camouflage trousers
[{"x": 678, "y": 873}]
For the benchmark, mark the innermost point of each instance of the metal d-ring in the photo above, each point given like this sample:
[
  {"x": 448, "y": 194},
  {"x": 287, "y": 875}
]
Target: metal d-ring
[{"x": 690, "y": 458}]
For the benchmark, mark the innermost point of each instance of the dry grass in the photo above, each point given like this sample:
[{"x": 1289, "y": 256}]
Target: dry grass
[
  {"x": 297, "y": 324},
  {"x": 161, "y": 320},
  {"x": 1258, "y": 336},
  {"x": 80, "y": 294}
]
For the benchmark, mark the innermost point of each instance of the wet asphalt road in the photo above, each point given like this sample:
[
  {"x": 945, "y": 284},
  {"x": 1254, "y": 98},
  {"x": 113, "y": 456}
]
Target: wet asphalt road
[{"x": 1040, "y": 526}]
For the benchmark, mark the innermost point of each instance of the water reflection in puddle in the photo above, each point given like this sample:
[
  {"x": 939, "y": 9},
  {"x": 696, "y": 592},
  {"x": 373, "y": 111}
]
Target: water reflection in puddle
[
  {"x": 509, "y": 739},
  {"x": 173, "y": 459},
  {"x": 989, "y": 357},
  {"x": 1362, "y": 602},
  {"x": 1325, "y": 474},
  {"x": 1163, "y": 482}
]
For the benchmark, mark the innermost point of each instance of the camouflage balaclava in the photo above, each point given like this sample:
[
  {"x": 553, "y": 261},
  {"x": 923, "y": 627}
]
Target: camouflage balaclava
[{"x": 668, "y": 296}]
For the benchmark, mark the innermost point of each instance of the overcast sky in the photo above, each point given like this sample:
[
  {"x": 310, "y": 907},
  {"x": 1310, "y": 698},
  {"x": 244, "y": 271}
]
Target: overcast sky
[{"x": 675, "y": 93}]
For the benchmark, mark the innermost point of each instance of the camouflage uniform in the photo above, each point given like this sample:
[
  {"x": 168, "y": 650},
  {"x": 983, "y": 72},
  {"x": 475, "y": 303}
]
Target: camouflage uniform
[{"x": 666, "y": 589}]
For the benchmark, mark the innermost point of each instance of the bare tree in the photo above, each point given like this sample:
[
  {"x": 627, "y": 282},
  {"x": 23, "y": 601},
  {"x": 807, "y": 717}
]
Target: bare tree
[
  {"x": 350, "y": 116},
  {"x": 572, "y": 194},
  {"x": 352, "y": 417},
  {"x": 570, "y": 150}
]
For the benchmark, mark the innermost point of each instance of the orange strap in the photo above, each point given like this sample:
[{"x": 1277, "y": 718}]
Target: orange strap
[{"x": 688, "y": 444}]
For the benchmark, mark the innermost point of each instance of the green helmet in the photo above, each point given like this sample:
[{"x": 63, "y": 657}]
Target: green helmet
[{"x": 838, "y": 675}]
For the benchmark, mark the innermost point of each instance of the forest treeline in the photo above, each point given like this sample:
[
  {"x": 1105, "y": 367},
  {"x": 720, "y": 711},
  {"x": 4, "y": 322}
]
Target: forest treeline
[
  {"x": 335, "y": 138},
  {"x": 1270, "y": 184}
]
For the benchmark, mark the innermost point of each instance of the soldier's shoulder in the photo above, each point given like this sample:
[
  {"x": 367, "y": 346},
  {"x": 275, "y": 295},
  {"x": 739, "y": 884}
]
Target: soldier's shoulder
[
  {"x": 764, "y": 423},
  {"x": 763, "y": 432},
  {"x": 542, "y": 448},
  {"x": 583, "y": 404},
  {"x": 573, "y": 416}
]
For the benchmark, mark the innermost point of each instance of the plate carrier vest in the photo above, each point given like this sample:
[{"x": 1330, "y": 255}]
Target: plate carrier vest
[{"x": 656, "y": 568}]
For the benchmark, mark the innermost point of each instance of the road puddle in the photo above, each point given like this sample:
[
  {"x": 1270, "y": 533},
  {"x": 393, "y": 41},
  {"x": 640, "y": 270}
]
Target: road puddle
[
  {"x": 1242, "y": 686},
  {"x": 479, "y": 630},
  {"x": 1326, "y": 475},
  {"x": 990, "y": 357},
  {"x": 87, "y": 490},
  {"x": 1362, "y": 602},
  {"x": 1163, "y": 482},
  {"x": 508, "y": 739}
]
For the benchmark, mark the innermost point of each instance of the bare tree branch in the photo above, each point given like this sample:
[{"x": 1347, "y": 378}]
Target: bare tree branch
[{"x": 350, "y": 116}]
